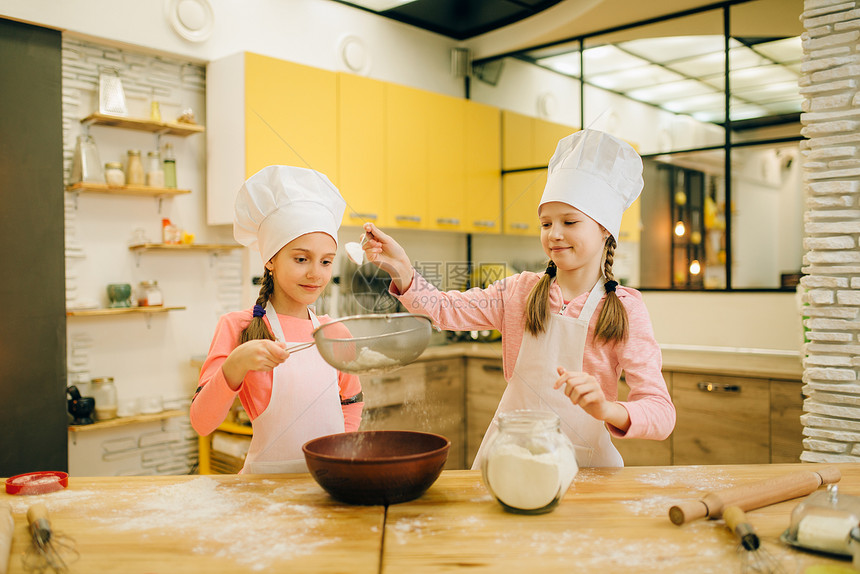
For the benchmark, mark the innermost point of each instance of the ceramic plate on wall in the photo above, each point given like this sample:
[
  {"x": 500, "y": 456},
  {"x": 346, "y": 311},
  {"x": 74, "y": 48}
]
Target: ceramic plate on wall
[{"x": 191, "y": 19}]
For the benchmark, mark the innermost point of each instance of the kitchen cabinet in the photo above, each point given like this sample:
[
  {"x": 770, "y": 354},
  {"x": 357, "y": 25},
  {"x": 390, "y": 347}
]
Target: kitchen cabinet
[
  {"x": 424, "y": 396},
  {"x": 642, "y": 452},
  {"x": 786, "y": 430},
  {"x": 361, "y": 149},
  {"x": 529, "y": 142},
  {"x": 521, "y": 192},
  {"x": 483, "y": 169},
  {"x": 406, "y": 156},
  {"x": 265, "y": 111},
  {"x": 485, "y": 386},
  {"x": 721, "y": 419},
  {"x": 446, "y": 162}
]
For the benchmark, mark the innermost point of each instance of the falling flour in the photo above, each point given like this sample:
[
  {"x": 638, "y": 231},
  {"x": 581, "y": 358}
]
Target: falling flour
[
  {"x": 369, "y": 359},
  {"x": 527, "y": 481}
]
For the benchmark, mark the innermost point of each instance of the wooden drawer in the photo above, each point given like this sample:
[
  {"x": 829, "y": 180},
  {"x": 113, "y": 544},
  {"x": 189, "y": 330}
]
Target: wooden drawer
[
  {"x": 641, "y": 452},
  {"x": 786, "y": 430},
  {"x": 485, "y": 384},
  {"x": 721, "y": 420},
  {"x": 405, "y": 384}
]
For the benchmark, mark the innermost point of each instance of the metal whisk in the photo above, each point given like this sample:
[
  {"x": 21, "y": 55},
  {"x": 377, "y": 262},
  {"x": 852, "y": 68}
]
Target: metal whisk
[
  {"x": 49, "y": 550},
  {"x": 754, "y": 557}
]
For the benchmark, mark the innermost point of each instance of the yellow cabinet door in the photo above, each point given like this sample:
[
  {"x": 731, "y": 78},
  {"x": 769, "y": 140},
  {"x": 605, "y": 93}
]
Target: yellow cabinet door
[
  {"x": 290, "y": 116},
  {"x": 406, "y": 156},
  {"x": 521, "y": 193},
  {"x": 483, "y": 169},
  {"x": 546, "y": 137},
  {"x": 446, "y": 162},
  {"x": 361, "y": 149},
  {"x": 517, "y": 141}
]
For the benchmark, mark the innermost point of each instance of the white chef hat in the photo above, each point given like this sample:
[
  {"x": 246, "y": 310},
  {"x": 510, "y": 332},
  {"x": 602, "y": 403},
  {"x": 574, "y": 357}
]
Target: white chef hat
[
  {"x": 279, "y": 203},
  {"x": 596, "y": 173}
]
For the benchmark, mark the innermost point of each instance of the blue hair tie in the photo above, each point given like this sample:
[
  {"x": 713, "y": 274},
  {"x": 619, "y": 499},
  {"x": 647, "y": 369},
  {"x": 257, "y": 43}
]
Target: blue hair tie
[{"x": 259, "y": 311}]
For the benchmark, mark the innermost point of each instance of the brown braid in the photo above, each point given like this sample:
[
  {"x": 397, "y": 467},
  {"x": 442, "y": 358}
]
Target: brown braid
[
  {"x": 612, "y": 322},
  {"x": 537, "y": 304},
  {"x": 257, "y": 329}
]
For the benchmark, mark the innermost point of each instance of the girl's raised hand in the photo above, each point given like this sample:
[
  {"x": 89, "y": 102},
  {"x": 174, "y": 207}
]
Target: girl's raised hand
[
  {"x": 256, "y": 355},
  {"x": 384, "y": 252}
]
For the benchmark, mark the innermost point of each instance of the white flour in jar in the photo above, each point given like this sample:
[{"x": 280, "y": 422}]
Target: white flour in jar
[{"x": 528, "y": 481}]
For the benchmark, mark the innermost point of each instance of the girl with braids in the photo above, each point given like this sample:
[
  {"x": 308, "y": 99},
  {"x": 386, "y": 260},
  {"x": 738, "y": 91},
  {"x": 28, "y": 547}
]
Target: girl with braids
[
  {"x": 292, "y": 215},
  {"x": 569, "y": 332}
]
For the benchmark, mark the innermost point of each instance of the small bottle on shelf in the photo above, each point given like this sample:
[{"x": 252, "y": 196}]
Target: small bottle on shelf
[
  {"x": 169, "y": 167},
  {"x": 114, "y": 175},
  {"x": 154, "y": 171},
  {"x": 169, "y": 232},
  {"x": 135, "y": 168},
  {"x": 149, "y": 294}
]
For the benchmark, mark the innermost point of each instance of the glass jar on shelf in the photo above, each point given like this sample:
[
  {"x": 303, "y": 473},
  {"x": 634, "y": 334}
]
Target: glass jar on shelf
[
  {"x": 134, "y": 171},
  {"x": 169, "y": 167},
  {"x": 114, "y": 176},
  {"x": 103, "y": 391},
  {"x": 149, "y": 294},
  {"x": 154, "y": 170}
]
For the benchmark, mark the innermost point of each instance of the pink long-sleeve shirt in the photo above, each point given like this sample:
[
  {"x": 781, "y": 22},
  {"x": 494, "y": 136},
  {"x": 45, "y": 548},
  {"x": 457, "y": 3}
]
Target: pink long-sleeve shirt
[
  {"x": 502, "y": 306},
  {"x": 215, "y": 397}
]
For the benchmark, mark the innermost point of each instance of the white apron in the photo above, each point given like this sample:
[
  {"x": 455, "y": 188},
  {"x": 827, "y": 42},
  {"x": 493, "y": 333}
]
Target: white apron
[
  {"x": 530, "y": 387},
  {"x": 305, "y": 404}
]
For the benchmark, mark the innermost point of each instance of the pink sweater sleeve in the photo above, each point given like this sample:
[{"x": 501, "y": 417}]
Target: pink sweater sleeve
[{"x": 652, "y": 414}]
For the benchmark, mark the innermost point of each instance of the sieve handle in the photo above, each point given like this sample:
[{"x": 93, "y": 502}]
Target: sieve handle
[{"x": 300, "y": 347}]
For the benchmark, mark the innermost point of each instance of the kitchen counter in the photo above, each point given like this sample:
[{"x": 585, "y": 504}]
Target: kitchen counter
[
  {"x": 611, "y": 520},
  {"x": 741, "y": 363}
]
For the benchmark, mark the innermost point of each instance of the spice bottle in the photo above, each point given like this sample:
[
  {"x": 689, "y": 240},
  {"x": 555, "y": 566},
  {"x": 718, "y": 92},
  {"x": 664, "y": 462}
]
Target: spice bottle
[
  {"x": 529, "y": 464},
  {"x": 149, "y": 294},
  {"x": 104, "y": 392},
  {"x": 134, "y": 171},
  {"x": 114, "y": 175},
  {"x": 169, "y": 167},
  {"x": 169, "y": 232},
  {"x": 154, "y": 171}
]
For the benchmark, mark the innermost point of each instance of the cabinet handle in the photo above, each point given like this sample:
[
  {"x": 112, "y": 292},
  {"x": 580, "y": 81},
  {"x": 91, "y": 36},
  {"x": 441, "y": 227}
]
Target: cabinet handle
[
  {"x": 370, "y": 216},
  {"x": 437, "y": 369},
  {"x": 484, "y": 223},
  {"x": 709, "y": 387},
  {"x": 415, "y": 218},
  {"x": 491, "y": 368},
  {"x": 519, "y": 225},
  {"x": 448, "y": 221},
  {"x": 390, "y": 380}
]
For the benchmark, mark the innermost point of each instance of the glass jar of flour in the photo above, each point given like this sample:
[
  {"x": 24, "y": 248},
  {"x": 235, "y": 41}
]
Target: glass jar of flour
[{"x": 529, "y": 464}]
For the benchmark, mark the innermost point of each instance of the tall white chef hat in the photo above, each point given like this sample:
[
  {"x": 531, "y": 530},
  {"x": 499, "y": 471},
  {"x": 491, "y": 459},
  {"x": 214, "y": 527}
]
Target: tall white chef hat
[
  {"x": 279, "y": 203},
  {"x": 596, "y": 173}
]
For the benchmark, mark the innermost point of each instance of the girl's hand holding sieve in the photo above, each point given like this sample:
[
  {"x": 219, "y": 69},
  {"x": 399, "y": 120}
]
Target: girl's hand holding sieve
[{"x": 255, "y": 355}]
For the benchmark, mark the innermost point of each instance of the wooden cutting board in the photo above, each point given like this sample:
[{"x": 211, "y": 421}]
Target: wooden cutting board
[{"x": 212, "y": 524}]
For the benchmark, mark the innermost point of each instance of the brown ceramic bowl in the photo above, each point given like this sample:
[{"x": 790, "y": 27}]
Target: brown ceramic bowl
[{"x": 376, "y": 467}]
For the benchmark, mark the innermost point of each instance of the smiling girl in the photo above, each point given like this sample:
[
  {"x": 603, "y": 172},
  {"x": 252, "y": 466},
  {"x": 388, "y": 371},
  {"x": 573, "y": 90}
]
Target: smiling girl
[
  {"x": 569, "y": 332},
  {"x": 292, "y": 215}
]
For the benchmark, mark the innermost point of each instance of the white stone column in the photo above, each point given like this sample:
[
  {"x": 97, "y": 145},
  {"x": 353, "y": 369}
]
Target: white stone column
[{"x": 831, "y": 120}]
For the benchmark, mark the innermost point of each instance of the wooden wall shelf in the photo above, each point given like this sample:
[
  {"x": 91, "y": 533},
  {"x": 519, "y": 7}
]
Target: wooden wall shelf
[
  {"x": 145, "y": 190},
  {"x": 120, "y": 311},
  {"x": 169, "y": 128},
  {"x": 122, "y": 421},
  {"x": 184, "y": 247}
]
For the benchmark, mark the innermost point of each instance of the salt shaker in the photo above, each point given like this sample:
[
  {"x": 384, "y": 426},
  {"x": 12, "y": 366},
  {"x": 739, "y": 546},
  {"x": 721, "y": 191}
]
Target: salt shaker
[{"x": 529, "y": 464}]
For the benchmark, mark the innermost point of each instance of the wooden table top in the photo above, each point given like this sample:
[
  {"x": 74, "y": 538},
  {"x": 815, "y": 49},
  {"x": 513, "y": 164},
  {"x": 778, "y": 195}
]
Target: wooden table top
[{"x": 611, "y": 520}]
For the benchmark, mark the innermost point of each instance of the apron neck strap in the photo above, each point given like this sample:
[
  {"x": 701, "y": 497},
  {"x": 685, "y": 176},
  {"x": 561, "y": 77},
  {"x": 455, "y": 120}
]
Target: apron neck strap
[
  {"x": 593, "y": 300},
  {"x": 275, "y": 323}
]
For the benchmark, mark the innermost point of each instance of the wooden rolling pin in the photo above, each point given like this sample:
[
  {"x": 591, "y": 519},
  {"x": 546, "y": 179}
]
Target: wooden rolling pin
[
  {"x": 755, "y": 495},
  {"x": 7, "y": 526}
]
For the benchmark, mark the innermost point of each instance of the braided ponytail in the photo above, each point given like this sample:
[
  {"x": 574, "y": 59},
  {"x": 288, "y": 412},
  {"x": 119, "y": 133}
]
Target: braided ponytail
[
  {"x": 537, "y": 304},
  {"x": 612, "y": 322},
  {"x": 257, "y": 328}
]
